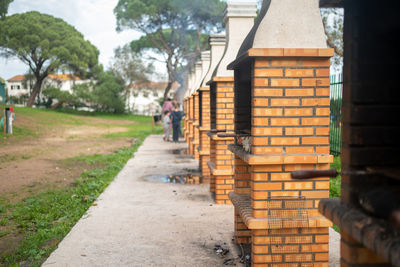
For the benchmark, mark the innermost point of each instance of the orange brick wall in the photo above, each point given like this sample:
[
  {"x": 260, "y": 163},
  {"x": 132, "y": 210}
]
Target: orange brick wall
[
  {"x": 290, "y": 117},
  {"x": 204, "y": 138},
  {"x": 190, "y": 125},
  {"x": 223, "y": 158},
  {"x": 196, "y": 131},
  {"x": 291, "y": 247},
  {"x": 224, "y": 106},
  {"x": 290, "y": 106}
]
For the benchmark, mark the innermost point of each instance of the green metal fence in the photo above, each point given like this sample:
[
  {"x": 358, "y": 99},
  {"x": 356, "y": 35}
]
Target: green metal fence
[{"x": 336, "y": 94}]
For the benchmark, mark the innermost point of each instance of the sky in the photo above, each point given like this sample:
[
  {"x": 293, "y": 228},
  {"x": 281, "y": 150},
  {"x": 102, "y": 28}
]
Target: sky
[{"x": 93, "y": 18}]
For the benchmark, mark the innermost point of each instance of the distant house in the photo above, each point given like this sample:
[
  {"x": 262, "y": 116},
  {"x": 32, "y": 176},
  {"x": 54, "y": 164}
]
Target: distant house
[
  {"x": 21, "y": 85},
  {"x": 144, "y": 98},
  {"x": 63, "y": 81}
]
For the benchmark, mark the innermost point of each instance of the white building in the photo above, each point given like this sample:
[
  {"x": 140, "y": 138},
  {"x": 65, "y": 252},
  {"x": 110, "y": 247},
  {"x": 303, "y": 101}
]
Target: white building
[
  {"x": 18, "y": 86},
  {"x": 63, "y": 81},
  {"x": 144, "y": 98},
  {"x": 21, "y": 85}
]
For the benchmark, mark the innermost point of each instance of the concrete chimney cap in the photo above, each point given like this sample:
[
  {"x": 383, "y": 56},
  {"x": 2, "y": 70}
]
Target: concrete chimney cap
[
  {"x": 286, "y": 24},
  {"x": 240, "y": 9}
]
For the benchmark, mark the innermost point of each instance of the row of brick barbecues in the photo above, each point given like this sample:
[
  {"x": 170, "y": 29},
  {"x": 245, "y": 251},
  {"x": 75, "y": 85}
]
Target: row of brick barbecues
[{"x": 257, "y": 108}]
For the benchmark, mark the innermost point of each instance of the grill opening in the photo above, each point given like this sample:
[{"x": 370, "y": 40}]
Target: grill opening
[
  {"x": 243, "y": 96},
  {"x": 213, "y": 106},
  {"x": 200, "y": 108},
  {"x": 194, "y": 109}
]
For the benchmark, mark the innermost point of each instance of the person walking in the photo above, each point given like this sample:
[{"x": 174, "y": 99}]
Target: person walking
[{"x": 176, "y": 117}]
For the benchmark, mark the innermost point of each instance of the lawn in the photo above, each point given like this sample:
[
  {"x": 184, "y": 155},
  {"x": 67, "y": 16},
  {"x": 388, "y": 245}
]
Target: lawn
[
  {"x": 35, "y": 217},
  {"x": 334, "y": 188}
]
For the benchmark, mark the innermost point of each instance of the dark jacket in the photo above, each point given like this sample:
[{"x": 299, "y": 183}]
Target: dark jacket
[{"x": 176, "y": 117}]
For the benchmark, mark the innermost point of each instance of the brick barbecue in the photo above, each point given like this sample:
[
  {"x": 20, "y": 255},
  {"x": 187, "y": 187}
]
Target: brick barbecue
[
  {"x": 239, "y": 18},
  {"x": 217, "y": 44},
  {"x": 281, "y": 88},
  {"x": 368, "y": 211}
]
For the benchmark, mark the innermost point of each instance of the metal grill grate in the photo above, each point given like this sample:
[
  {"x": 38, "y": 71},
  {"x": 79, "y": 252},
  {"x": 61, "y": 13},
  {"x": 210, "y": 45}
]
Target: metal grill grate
[{"x": 287, "y": 212}]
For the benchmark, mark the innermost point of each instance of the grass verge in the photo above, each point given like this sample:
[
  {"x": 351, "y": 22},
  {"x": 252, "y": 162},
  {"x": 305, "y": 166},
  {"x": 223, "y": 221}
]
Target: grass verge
[
  {"x": 46, "y": 218},
  {"x": 39, "y": 222}
]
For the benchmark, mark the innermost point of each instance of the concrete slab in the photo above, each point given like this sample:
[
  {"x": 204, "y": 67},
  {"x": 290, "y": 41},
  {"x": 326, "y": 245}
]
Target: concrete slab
[{"x": 140, "y": 223}]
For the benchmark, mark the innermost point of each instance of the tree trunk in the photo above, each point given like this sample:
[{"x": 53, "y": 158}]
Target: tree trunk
[
  {"x": 35, "y": 91},
  {"x": 198, "y": 49},
  {"x": 167, "y": 89},
  {"x": 171, "y": 77}
]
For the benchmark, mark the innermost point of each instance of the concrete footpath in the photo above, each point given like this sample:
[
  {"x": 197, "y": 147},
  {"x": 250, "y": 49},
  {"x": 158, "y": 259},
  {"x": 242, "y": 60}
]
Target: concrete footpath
[{"x": 142, "y": 223}]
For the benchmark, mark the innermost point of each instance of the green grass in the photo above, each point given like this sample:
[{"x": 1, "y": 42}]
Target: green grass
[
  {"x": 335, "y": 183},
  {"x": 45, "y": 118},
  {"x": 44, "y": 219},
  {"x": 50, "y": 215}
]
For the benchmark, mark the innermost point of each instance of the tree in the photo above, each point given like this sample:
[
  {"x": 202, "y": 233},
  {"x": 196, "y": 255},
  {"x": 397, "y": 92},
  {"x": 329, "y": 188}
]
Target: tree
[
  {"x": 171, "y": 28},
  {"x": 62, "y": 97},
  {"x": 333, "y": 25},
  {"x": 107, "y": 93},
  {"x": 129, "y": 66},
  {"x": 83, "y": 92},
  {"x": 4, "y": 7},
  {"x": 47, "y": 44}
]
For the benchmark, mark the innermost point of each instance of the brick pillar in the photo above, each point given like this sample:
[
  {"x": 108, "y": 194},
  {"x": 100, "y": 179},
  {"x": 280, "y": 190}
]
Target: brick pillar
[
  {"x": 196, "y": 132},
  {"x": 241, "y": 187},
  {"x": 204, "y": 148},
  {"x": 185, "y": 120},
  {"x": 290, "y": 131},
  {"x": 222, "y": 168},
  {"x": 190, "y": 125}
]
